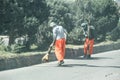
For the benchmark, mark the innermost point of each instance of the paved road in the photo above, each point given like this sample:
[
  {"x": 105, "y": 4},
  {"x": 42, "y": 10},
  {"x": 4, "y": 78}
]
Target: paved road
[{"x": 102, "y": 66}]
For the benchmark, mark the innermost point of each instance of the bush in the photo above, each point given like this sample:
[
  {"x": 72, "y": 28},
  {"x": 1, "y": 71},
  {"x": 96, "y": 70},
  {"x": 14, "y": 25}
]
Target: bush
[
  {"x": 15, "y": 48},
  {"x": 115, "y": 34},
  {"x": 2, "y": 48},
  {"x": 76, "y": 36}
]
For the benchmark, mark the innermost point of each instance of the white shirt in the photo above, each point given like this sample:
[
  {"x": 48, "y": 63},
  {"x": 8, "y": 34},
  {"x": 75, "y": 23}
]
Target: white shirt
[{"x": 58, "y": 32}]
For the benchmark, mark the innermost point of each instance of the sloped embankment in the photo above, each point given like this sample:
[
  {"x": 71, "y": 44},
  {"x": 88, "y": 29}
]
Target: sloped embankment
[{"x": 71, "y": 52}]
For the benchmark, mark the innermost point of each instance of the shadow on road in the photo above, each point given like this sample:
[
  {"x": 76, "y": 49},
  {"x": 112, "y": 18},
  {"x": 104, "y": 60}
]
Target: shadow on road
[
  {"x": 93, "y": 58},
  {"x": 86, "y": 65}
]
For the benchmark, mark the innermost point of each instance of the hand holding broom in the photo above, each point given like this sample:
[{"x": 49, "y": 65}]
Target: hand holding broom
[{"x": 46, "y": 56}]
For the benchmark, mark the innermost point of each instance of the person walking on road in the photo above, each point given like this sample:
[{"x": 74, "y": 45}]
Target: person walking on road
[
  {"x": 89, "y": 39},
  {"x": 59, "y": 40}
]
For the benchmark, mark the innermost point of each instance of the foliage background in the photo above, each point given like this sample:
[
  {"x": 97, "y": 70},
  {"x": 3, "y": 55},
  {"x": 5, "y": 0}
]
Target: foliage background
[{"x": 30, "y": 19}]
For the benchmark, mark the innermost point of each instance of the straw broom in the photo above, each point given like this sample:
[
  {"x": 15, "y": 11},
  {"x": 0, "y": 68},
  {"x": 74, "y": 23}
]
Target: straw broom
[{"x": 45, "y": 58}]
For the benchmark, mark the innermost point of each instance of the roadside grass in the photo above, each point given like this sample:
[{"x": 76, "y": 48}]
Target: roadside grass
[{"x": 4, "y": 54}]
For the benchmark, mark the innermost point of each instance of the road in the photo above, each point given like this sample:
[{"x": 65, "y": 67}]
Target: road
[{"x": 102, "y": 66}]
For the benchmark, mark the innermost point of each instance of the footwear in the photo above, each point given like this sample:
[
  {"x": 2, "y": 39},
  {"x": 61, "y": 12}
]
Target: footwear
[
  {"x": 60, "y": 63},
  {"x": 88, "y": 56},
  {"x": 85, "y": 56}
]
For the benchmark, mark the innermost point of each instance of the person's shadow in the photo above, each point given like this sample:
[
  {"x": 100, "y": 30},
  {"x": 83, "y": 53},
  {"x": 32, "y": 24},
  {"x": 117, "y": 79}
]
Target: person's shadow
[
  {"x": 92, "y": 58},
  {"x": 88, "y": 65}
]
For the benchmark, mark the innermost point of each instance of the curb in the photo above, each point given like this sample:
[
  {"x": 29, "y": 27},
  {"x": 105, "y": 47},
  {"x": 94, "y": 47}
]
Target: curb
[{"x": 23, "y": 61}]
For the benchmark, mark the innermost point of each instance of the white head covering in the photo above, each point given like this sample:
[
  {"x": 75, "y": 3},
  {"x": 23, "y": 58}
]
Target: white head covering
[
  {"x": 52, "y": 24},
  {"x": 83, "y": 24}
]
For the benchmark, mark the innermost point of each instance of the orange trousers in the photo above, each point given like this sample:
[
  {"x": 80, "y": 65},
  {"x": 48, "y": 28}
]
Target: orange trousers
[
  {"x": 88, "y": 46},
  {"x": 60, "y": 49}
]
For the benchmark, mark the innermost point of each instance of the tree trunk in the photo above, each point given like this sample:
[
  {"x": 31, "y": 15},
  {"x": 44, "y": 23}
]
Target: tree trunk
[{"x": 11, "y": 37}]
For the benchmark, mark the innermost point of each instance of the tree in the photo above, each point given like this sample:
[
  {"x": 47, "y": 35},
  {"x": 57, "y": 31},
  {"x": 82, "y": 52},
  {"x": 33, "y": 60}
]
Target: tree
[
  {"x": 11, "y": 19},
  {"x": 60, "y": 13},
  {"x": 103, "y": 14},
  {"x": 36, "y": 12},
  {"x": 22, "y": 17}
]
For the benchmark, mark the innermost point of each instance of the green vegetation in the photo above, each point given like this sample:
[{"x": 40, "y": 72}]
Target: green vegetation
[{"x": 31, "y": 18}]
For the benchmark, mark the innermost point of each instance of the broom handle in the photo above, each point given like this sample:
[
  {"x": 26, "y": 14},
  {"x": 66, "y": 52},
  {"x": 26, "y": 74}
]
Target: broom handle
[{"x": 49, "y": 49}]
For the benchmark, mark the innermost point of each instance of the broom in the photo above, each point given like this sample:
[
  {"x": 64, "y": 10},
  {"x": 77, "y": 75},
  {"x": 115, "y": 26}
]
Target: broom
[{"x": 45, "y": 58}]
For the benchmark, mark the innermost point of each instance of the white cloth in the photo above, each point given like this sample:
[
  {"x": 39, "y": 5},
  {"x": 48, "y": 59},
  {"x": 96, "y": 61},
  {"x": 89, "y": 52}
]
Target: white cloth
[{"x": 59, "y": 32}]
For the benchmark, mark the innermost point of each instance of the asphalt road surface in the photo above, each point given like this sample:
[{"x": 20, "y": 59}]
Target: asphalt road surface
[{"x": 102, "y": 66}]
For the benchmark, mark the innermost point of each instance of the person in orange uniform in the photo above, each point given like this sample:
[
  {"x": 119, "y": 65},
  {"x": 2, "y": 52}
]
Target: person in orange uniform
[
  {"x": 89, "y": 41},
  {"x": 59, "y": 40}
]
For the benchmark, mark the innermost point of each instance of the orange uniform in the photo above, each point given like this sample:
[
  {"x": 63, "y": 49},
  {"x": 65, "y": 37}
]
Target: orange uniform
[
  {"x": 89, "y": 41},
  {"x": 88, "y": 44},
  {"x": 60, "y": 49}
]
